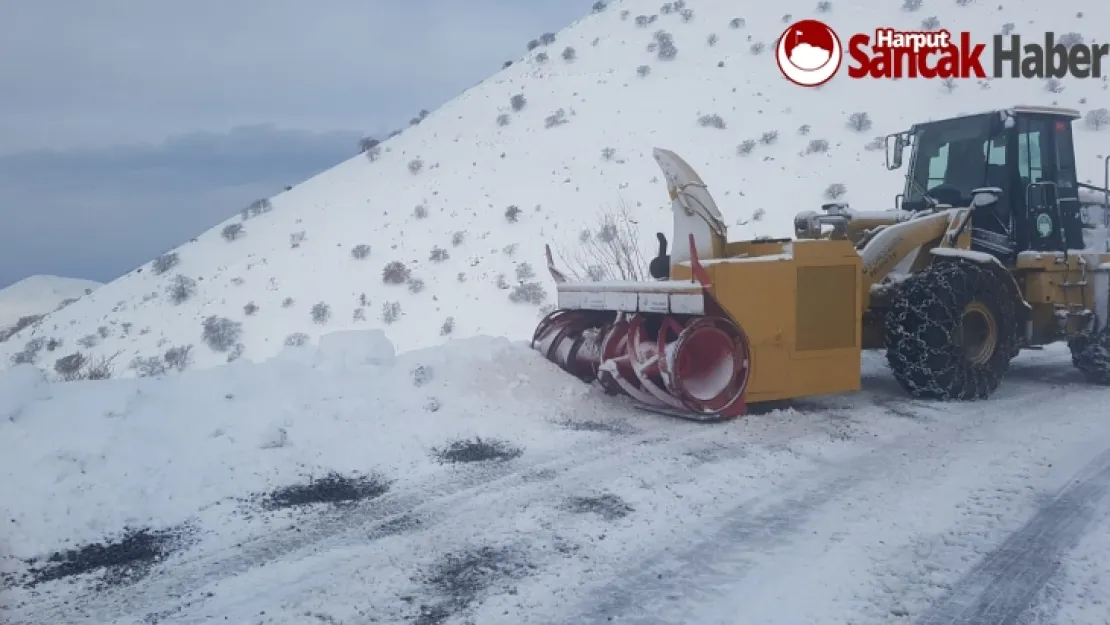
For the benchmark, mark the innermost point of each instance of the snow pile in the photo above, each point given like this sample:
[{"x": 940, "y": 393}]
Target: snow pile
[
  {"x": 84, "y": 459},
  {"x": 39, "y": 295},
  {"x": 438, "y": 232}
]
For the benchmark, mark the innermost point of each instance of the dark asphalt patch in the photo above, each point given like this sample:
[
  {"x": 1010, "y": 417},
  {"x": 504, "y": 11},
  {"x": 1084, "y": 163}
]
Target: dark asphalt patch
[
  {"x": 460, "y": 579},
  {"x": 332, "y": 488},
  {"x": 120, "y": 561},
  {"x": 609, "y": 507},
  {"x": 477, "y": 450}
]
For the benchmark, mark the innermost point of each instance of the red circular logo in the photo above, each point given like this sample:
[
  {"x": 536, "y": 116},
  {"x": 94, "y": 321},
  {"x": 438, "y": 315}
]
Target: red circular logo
[{"x": 809, "y": 53}]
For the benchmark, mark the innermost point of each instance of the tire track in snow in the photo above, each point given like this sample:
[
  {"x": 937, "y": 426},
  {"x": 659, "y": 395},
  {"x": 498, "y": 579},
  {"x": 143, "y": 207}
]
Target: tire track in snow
[{"x": 1007, "y": 583}]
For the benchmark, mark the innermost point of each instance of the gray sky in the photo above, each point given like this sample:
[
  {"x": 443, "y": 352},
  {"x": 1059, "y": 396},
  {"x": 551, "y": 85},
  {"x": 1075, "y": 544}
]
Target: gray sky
[{"x": 128, "y": 127}]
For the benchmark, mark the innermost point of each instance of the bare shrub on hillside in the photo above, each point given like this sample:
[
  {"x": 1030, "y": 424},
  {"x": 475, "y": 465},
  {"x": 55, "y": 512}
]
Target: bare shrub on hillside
[
  {"x": 448, "y": 326},
  {"x": 1053, "y": 85},
  {"x": 23, "y": 322},
  {"x": 220, "y": 333},
  {"x": 528, "y": 293},
  {"x": 667, "y": 51},
  {"x": 232, "y": 232},
  {"x": 181, "y": 288},
  {"x": 769, "y": 137},
  {"x": 878, "y": 143},
  {"x": 687, "y": 14},
  {"x": 420, "y": 211},
  {"x": 256, "y": 208},
  {"x": 547, "y": 38},
  {"x": 396, "y": 272},
  {"x": 542, "y": 58},
  {"x": 1097, "y": 119},
  {"x": 236, "y": 352},
  {"x": 360, "y": 251},
  {"x": 149, "y": 367},
  {"x": 757, "y": 47},
  {"x": 250, "y": 308},
  {"x": 179, "y": 357},
  {"x": 99, "y": 369},
  {"x": 416, "y": 285},
  {"x": 803, "y": 129},
  {"x": 607, "y": 154},
  {"x": 711, "y": 40},
  {"x": 643, "y": 70},
  {"x": 598, "y": 7},
  {"x": 643, "y": 21},
  {"x": 89, "y": 341},
  {"x": 164, "y": 263},
  {"x": 745, "y": 148},
  {"x": 949, "y": 85},
  {"x": 438, "y": 255},
  {"x": 911, "y": 5},
  {"x": 835, "y": 190},
  {"x": 297, "y": 339},
  {"x": 373, "y": 153},
  {"x": 512, "y": 214},
  {"x": 859, "y": 122},
  {"x": 503, "y": 119},
  {"x": 736, "y": 22},
  {"x": 533, "y": 44},
  {"x": 712, "y": 121},
  {"x": 524, "y": 272},
  {"x": 817, "y": 146},
  {"x": 824, "y": 6},
  {"x": 287, "y": 302},
  {"x": 457, "y": 238},
  {"x": 517, "y": 102},
  {"x": 612, "y": 253},
  {"x": 391, "y": 312},
  {"x": 296, "y": 238},
  {"x": 930, "y": 23},
  {"x": 415, "y": 166},
  {"x": 321, "y": 313},
  {"x": 569, "y": 54}
]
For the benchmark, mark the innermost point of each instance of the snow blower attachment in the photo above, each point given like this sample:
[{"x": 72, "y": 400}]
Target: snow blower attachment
[{"x": 982, "y": 257}]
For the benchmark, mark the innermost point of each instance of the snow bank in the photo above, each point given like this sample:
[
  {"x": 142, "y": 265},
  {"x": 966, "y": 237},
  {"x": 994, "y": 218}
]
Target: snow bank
[{"x": 85, "y": 459}]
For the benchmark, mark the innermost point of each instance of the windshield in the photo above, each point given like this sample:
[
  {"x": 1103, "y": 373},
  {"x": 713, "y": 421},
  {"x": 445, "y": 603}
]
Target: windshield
[{"x": 951, "y": 159}]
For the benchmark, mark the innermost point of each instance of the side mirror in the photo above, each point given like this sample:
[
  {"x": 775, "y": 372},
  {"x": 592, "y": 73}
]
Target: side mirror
[
  {"x": 985, "y": 197},
  {"x": 895, "y": 144}
]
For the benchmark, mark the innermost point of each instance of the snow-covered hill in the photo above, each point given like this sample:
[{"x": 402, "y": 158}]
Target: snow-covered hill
[
  {"x": 39, "y": 295},
  {"x": 464, "y": 200}
]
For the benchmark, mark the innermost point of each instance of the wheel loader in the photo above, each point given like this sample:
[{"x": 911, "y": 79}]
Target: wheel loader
[{"x": 983, "y": 256}]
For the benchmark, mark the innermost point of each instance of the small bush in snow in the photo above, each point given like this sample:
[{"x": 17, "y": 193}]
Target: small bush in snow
[
  {"x": 250, "y": 308},
  {"x": 878, "y": 143},
  {"x": 757, "y": 47},
  {"x": 758, "y": 214},
  {"x": 711, "y": 40},
  {"x": 367, "y": 143},
  {"x": 949, "y": 85},
  {"x": 164, "y": 263},
  {"x": 420, "y": 211},
  {"x": 220, "y": 333},
  {"x": 256, "y": 208},
  {"x": 803, "y": 129},
  {"x": 533, "y": 44},
  {"x": 643, "y": 21},
  {"x": 542, "y": 58},
  {"x": 287, "y": 302},
  {"x": 930, "y": 23},
  {"x": 1069, "y": 39},
  {"x": 667, "y": 51},
  {"x": 569, "y": 54},
  {"x": 711, "y": 121},
  {"x": 297, "y": 339},
  {"x": 415, "y": 166},
  {"x": 438, "y": 255},
  {"x": 232, "y": 231},
  {"x": 321, "y": 313},
  {"x": 824, "y": 6},
  {"x": 769, "y": 137},
  {"x": 859, "y": 122},
  {"x": 624, "y": 14},
  {"x": 373, "y": 153},
  {"x": 745, "y": 148},
  {"x": 103, "y": 331},
  {"x": 396, "y": 272},
  {"x": 529, "y": 293},
  {"x": 598, "y": 7},
  {"x": 360, "y": 251},
  {"x": 503, "y": 119},
  {"x": 911, "y": 5},
  {"x": 296, "y": 239},
  {"x": 524, "y": 272},
  {"x": 100, "y": 369},
  {"x": 359, "y": 314},
  {"x": 236, "y": 352},
  {"x": 1097, "y": 119},
  {"x": 422, "y": 375},
  {"x": 607, "y": 154},
  {"x": 457, "y": 238},
  {"x": 1053, "y": 85},
  {"x": 181, "y": 288},
  {"x": 89, "y": 341},
  {"x": 643, "y": 70},
  {"x": 69, "y": 366},
  {"x": 391, "y": 311},
  {"x": 448, "y": 326},
  {"x": 547, "y": 39},
  {"x": 1008, "y": 28},
  {"x": 558, "y": 118},
  {"x": 835, "y": 190},
  {"x": 517, "y": 102},
  {"x": 817, "y": 146},
  {"x": 148, "y": 367},
  {"x": 416, "y": 285},
  {"x": 667, "y": 8},
  {"x": 736, "y": 22},
  {"x": 512, "y": 214}
]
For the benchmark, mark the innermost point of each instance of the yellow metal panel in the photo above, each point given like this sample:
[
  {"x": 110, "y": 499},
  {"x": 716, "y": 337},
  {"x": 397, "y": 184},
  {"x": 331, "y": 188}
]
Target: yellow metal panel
[{"x": 826, "y": 311}]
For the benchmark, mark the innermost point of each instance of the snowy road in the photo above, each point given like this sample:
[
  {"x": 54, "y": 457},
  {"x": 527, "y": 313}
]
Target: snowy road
[{"x": 859, "y": 509}]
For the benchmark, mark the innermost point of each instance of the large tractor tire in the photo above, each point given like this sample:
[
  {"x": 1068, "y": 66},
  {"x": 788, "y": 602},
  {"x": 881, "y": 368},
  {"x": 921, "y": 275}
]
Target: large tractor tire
[
  {"x": 1090, "y": 353},
  {"x": 951, "y": 332}
]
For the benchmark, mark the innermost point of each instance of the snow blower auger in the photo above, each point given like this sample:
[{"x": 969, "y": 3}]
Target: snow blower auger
[{"x": 986, "y": 253}]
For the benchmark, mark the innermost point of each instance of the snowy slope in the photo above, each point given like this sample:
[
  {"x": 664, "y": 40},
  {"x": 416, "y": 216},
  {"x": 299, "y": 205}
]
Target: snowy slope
[
  {"x": 473, "y": 169},
  {"x": 446, "y": 493},
  {"x": 37, "y": 295}
]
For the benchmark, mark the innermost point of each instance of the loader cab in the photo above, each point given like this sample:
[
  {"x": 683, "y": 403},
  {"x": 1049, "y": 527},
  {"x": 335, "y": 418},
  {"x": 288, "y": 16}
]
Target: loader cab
[{"x": 1026, "y": 152}]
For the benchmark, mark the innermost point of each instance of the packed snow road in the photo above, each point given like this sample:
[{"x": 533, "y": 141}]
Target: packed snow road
[{"x": 858, "y": 509}]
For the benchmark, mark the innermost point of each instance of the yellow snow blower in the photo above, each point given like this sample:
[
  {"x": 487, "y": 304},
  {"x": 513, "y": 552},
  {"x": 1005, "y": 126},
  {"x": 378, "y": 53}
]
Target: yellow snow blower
[{"x": 983, "y": 256}]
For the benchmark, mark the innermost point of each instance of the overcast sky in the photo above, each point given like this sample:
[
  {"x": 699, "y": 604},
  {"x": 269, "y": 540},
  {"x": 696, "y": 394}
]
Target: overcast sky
[{"x": 128, "y": 127}]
